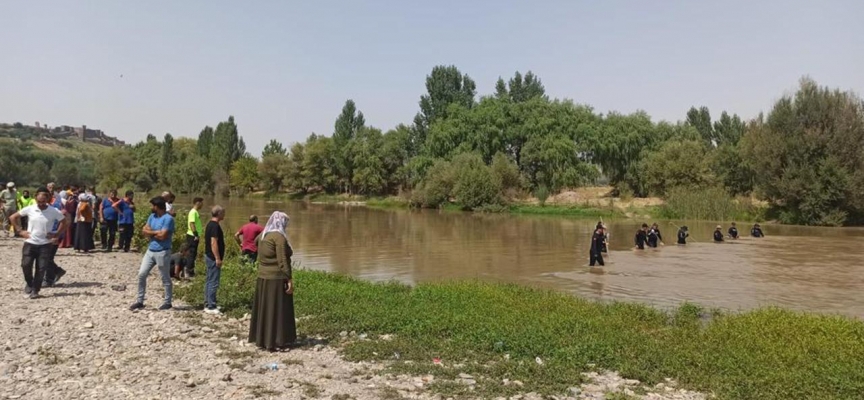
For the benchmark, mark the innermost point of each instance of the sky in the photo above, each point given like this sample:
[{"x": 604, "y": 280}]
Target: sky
[{"x": 284, "y": 69}]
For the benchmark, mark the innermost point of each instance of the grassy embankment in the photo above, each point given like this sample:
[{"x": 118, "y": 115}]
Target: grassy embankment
[{"x": 495, "y": 331}]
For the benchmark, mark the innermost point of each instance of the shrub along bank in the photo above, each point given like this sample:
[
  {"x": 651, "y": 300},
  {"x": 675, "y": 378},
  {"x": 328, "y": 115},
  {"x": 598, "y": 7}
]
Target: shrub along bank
[{"x": 496, "y": 331}]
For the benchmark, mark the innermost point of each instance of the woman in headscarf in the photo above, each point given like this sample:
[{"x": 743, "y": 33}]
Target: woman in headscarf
[
  {"x": 70, "y": 208},
  {"x": 84, "y": 224},
  {"x": 272, "y": 326}
]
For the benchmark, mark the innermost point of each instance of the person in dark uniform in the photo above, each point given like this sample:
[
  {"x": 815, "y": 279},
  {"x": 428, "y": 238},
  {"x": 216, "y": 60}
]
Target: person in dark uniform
[
  {"x": 756, "y": 232},
  {"x": 604, "y": 248},
  {"x": 683, "y": 233},
  {"x": 654, "y": 236},
  {"x": 641, "y": 237},
  {"x": 733, "y": 231},
  {"x": 718, "y": 234},
  {"x": 597, "y": 240}
]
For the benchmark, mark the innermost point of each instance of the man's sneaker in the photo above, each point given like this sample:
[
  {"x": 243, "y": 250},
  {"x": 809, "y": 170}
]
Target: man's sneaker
[
  {"x": 34, "y": 295},
  {"x": 166, "y": 306},
  {"x": 60, "y": 274},
  {"x": 212, "y": 311},
  {"x": 136, "y": 306},
  {"x": 28, "y": 289}
]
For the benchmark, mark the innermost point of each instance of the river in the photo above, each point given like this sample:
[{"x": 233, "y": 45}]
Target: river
[{"x": 803, "y": 268}]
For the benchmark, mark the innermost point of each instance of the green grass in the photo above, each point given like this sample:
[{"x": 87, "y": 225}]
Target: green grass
[
  {"x": 768, "y": 353},
  {"x": 566, "y": 211}
]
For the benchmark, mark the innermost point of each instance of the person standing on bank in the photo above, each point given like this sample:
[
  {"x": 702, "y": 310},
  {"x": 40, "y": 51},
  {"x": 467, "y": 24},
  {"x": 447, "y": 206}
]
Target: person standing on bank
[
  {"x": 169, "y": 203},
  {"x": 160, "y": 230},
  {"x": 109, "y": 212},
  {"x": 272, "y": 325},
  {"x": 193, "y": 233},
  {"x": 597, "y": 240},
  {"x": 84, "y": 226},
  {"x": 126, "y": 221},
  {"x": 214, "y": 244},
  {"x": 9, "y": 198},
  {"x": 247, "y": 236},
  {"x": 40, "y": 239}
]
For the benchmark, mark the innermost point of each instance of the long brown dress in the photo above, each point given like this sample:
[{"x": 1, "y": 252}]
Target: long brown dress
[{"x": 272, "y": 326}]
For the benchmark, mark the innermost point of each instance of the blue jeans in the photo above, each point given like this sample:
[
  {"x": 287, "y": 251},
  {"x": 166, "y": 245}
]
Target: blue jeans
[
  {"x": 162, "y": 259},
  {"x": 212, "y": 283}
]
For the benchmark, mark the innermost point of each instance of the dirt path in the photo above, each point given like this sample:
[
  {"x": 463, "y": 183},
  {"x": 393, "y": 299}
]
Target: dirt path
[{"x": 80, "y": 341}]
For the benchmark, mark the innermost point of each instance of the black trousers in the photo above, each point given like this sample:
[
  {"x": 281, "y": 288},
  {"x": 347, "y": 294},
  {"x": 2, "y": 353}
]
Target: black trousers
[
  {"x": 40, "y": 255},
  {"x": 126, "y": 233},
  {"x": 53, "y": 268},
  {"x": 253, "y": 256},
  {"x": 192, "y": 242},
  {"x": 597, "y": 258},
  {"x": 108, "y": 232}
]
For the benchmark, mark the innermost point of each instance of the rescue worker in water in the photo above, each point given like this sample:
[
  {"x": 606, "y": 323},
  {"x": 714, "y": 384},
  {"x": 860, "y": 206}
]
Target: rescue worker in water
[
  {"x": 718, "y": 234},
  {"x": 641, "y": 237},
  {"x": 756, "y": 232},
  {"x": 597, "y": 240},
  {"x": 683, "y": 234}
]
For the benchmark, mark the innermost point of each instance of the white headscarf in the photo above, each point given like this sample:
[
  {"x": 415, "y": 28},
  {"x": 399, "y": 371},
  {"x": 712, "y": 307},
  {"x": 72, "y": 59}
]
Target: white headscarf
[
  {"x": 278, "y": 222},
  {"x": 84, "y": 197}
]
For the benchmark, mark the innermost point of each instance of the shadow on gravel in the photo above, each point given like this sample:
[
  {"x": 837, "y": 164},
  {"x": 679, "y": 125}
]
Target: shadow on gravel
[
  {"x": 72, "y": 285},
  {"x": 72, "y": 294}
]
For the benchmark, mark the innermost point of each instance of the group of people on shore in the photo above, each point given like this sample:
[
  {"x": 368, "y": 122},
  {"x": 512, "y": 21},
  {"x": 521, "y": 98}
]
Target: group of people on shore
[
  {"x": 47, "y": 221},
  {"x": 652, "y": 238}
]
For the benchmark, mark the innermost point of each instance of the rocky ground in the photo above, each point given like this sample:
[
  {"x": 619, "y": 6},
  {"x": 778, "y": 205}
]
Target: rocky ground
[{"x": 80, "y": 341}]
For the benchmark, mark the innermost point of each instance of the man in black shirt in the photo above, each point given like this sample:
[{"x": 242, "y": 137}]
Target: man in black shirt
[
  {"x": 654, "y": 236},
  {"x": 597, "y": 246},
  {"x": 733, "y": 231},
  {"x": 683, "y": 233},
  {"x": 756, "y": 232},
  {"x": 214, "y": 245},
  {"x": 641, "y": 237},
  {"x": 718, "y": 234}
]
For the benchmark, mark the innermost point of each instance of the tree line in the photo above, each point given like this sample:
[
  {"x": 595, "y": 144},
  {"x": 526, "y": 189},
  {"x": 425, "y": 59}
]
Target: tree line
[{"x": 804, "y": 157}]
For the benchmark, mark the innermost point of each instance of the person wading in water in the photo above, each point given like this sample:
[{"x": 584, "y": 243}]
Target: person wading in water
[
  {"x": 597, "y": 240},
  {"x": 733, "y": 231},
  {"x": 654, "y": 236},
  {"x": 683, "y": 234},
  {"x": 718, "y": 234},
  {"x": 641, "y": 237},
  {"x": 756, "y": 232}
]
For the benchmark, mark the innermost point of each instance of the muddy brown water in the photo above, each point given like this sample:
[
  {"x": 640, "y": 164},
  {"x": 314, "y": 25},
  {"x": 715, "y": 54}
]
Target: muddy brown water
[{"x": 803, "y": 268}]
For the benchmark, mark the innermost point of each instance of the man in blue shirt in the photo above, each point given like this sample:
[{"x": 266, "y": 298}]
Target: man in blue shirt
[
  {"x": 160, "y": 230},
  {"x": 109, "y": 212},
  {"x": 127, "y": 221}
]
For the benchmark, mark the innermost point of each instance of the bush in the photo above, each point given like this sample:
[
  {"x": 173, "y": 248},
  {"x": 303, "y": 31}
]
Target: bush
[
  {"x": 711, "y": 204},
  {"x": 475, "y": 184},
  {"x": 542, "y": 194}
]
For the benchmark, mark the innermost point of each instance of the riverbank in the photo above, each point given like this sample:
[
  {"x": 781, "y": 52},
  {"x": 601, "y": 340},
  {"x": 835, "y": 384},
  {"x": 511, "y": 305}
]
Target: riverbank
[
  {"x": 81, "y": 341},
  {"x": 489, "y": 336}
]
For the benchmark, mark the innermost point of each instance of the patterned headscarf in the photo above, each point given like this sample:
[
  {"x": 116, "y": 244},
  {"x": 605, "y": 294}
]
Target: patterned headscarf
[
  {"x": 84, "y": 197},
  {"x": 278, "y": 222}
]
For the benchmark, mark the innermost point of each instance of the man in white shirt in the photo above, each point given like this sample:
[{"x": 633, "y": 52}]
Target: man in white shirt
[
  {"x": 169, "y": 203},
  {"x": 39, "y": 239}
]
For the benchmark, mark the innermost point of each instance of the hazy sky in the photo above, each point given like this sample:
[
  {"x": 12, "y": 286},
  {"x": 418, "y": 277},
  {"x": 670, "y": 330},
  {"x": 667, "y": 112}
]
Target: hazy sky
[{"x": 284, "y": 69}]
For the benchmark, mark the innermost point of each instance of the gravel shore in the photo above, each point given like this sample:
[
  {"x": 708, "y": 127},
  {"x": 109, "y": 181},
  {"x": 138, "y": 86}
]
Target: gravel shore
[{"x": 80, "y": 341}]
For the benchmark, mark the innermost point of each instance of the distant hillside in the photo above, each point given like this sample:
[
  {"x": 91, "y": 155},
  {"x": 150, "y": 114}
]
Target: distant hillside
[{"x": 45, "y": 136}]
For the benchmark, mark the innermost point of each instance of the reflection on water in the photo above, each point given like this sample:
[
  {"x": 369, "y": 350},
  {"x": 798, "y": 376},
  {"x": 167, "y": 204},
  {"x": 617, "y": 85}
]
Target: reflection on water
[{"x": 819, "y": 269}]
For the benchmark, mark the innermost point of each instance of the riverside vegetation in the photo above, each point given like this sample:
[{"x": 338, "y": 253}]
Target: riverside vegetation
[
  {"x": 544, "y": 340},
  {"x": 803, "y": 159}
]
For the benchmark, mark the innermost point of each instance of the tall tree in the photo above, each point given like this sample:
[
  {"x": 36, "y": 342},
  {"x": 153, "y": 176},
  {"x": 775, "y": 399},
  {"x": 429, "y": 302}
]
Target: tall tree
[
  {"x": 348, "y": 125},
  {"x": 167, "y": 156},
  {"x": 446, "y": 85},
  {"x": 227, "y": 145},
  {"x": 205, "y": 142},
  {"x": 520, "y": 89},
  {"x": 273, "y": 148},
  {"x": 728, "y": 129},
  {"x": 701, "y": 120}
]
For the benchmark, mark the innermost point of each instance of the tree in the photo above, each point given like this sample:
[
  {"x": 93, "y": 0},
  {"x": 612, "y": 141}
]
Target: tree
[
  {"x": 167, "y": 155},
  {"x": 728, "y": 130},
  {"x": 446, "y": 85},
  {"x": 227, "y": 146},
  {"x": 370, "y": 174},
  {"x": 273, "y": 148},
  {"x": 319, "y": 164},
  {"x": 701, "y": 120},
  {"x": 677, "y": 164},
  {"x": 205, "y": 142},
  {"x": 520, "y": 89},
  {"x": 809, "y": 156},
  {"x": 244, "y": 174},
  {"x": 349, "y": 123}
]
